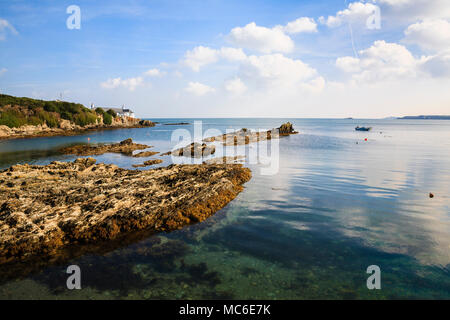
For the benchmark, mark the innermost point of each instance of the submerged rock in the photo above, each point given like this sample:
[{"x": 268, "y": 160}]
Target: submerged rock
[
  {"x": 225, "y": 159},
  {"x": 147, "y": 163},
  {"x": 43, "y": 208},
  {"x": 125, "y": 147},
  {"x": 145, "y": 154}
]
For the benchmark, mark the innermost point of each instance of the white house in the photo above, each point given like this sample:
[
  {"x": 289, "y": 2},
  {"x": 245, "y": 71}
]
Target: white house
[{"x": 121, "y": 112}]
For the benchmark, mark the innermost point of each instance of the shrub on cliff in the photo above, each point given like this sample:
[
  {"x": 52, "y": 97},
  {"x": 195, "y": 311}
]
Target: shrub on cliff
[
  {"x": 12, "y": 118},
  {"x": 100, "y": 111},
  {"x": 46, "y": 117},
  {"x": 83, "y": 119},
  {"x": 112, "y": 113},
  {"x": 107, "y": 118}
]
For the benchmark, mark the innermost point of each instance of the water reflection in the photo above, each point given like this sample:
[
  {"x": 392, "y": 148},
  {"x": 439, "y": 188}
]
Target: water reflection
[{"x": 337, "y": 205}]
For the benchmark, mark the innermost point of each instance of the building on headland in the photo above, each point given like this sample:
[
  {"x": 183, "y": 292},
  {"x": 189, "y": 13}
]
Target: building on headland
[{"x": 121, "y": 112}]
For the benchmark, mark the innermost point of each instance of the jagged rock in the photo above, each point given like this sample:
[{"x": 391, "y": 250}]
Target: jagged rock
[
  {"x": 147, "y": 163},
  {"x": 125, "y": 147},
  {"x": 145, "y": 154},
  {"x": 146, "y": 123},
  {"x": 43, "y": 208},
  {"x": 286, "y": 129},
  {"x": 246, "y": 136},
  {"x": 195, "y": 150}
]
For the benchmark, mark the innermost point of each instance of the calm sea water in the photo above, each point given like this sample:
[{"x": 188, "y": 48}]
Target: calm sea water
[{"x": 337, "y": 205}]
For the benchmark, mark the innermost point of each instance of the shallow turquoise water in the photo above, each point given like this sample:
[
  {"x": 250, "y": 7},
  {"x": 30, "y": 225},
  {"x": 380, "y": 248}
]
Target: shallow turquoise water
[{"x": 337, "y": 205}]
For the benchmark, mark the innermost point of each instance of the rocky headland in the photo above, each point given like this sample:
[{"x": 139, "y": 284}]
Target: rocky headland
[
  {"x": 66, "y": 128},
  {"x": 44, "y": 208},
  {"x": 27, "y": 118}
]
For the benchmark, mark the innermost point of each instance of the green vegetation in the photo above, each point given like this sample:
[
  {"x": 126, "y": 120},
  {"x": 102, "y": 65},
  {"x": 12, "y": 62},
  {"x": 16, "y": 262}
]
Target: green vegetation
[
  {"x": 16, "y": 112},
  {"x": 13, "y": 118},
  {"x": 107, "y": 116},
  {"x": 112, "y": 113}
]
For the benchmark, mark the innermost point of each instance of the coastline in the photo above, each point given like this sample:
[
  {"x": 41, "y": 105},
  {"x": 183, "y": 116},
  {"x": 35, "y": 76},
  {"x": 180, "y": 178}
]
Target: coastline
[
  {"x": 44, "y": 208},
  {"x": 28, "y": 132}
]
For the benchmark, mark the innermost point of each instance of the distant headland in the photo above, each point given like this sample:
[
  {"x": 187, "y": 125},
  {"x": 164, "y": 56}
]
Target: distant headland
[{"x": 424, "y": 118}]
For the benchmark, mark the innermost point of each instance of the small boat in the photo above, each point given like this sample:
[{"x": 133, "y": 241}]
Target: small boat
[{"x": 358, "y": 128}]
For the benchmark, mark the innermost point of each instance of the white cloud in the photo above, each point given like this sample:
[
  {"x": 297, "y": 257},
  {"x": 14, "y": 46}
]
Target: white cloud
[
  {"x": 129, "y": 84},
  {"x": 382, "y": 61},
  {"x": 277, "y": 71},
  {"x": 235, "y": 86},
  {"x": 413, "y": 10},
  {"x": 314, "y": 85},
  {"x": 199, "y": 89},
  {"x": 356, "y": 11},
  {"x": 348, "y": 64},
  {"x": 431, "y": 35},
  {"x": 5, "y": 26},
  {"x": 253, "y": 37},
  {"x": 154, "y": 73},
  {"x": 201, "y": 56},
  {"x": 391, "y": 61},
  {"x": 261, "y": 39},
  {"x": 438, "y": 65},
  {"x": 232, "y": 54},
  {"x": 303, "y": 24}
]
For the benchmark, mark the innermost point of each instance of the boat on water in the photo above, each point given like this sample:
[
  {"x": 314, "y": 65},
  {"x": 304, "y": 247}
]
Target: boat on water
[{"x": 358, "y": 128}]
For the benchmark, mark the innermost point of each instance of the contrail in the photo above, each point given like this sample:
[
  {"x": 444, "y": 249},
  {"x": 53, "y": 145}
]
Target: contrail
[{"x": 351, "y": 35}]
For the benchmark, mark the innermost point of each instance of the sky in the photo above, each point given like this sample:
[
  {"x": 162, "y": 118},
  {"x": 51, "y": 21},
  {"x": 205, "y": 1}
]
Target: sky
[{"x": 228, "y": 58}]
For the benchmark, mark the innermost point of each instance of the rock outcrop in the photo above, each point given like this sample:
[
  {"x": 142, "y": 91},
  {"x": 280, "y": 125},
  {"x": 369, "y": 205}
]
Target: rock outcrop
[
  {"x": 43, "y": 208},
  {"x": 125, "y": 147},
  {"x": 147, "y": 163},
  {"x": 145, "y": 154},
  {"x": 194, "y": 150},
  {"x": 286, "y": 129},
  {"x": 245, "y": 136}
]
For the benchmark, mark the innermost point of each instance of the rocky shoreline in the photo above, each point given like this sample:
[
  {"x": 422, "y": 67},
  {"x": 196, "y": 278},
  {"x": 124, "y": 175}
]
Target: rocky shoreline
[
  {"x": 67, "y": 128},
  {"x": 46, "y": 208}
]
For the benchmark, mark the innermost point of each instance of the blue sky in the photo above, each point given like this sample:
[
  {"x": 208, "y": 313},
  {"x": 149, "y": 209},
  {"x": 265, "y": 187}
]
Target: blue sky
[{"x": 232, "y": 58}]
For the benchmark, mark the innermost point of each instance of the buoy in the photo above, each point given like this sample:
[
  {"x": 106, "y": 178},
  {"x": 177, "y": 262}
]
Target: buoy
[
  {"x": 365, "y": 139},
  {"x": 89, "y": 139}
]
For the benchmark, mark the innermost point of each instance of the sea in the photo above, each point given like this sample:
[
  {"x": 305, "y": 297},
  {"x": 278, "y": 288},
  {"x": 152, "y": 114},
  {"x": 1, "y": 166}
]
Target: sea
[{"x": 336, "y": 205}]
